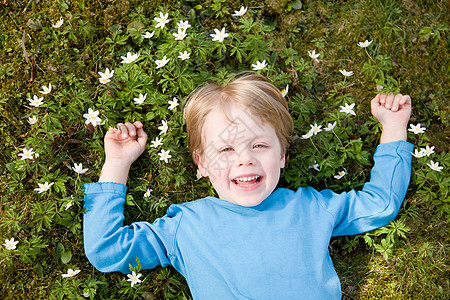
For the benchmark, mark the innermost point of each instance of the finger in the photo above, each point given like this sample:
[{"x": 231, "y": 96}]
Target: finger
[
  {"x": 382, "y": 98},
  {"x": 406, "y": 100},
  {"x": 389, "y": 101},
  {"x": 131, "y": 129},
  {"x": 141, "y": 137},
  {"x": 375, "y": 103},
  {"x": 396, "y": 102},
  {"x": 122, "y": 128},
  {"x": 138, "y": 124}
]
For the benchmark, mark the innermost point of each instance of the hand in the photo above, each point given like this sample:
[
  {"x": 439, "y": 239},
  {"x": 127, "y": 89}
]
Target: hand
[
  {"x": 125, "y": 143},
  {"x": 392, "y": 109},
  {"x": 393, "y": 112}
]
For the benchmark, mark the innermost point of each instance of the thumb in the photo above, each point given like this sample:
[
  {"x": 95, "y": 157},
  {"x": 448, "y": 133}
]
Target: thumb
[
  {"x": 375, "y": 104},
  {"x": 141, "y": 137}
]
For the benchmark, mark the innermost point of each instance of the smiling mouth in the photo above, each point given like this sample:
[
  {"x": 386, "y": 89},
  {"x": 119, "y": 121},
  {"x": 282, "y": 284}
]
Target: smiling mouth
[{"x": 247, "y": 181}]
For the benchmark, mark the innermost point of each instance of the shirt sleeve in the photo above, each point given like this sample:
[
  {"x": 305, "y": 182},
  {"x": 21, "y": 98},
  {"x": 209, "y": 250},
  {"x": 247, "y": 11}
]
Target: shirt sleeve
[
  {"x": 110, "y": 246},
  {"x": 379, "y": 201}
]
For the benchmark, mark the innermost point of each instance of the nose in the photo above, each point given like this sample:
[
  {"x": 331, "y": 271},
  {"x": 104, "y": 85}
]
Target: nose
[{"x": 246, "y": 158}]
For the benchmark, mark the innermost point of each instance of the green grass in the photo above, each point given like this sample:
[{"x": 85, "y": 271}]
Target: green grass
[
  {"x": 409, "y": 54},
  {"x": 417, "y": 269}
]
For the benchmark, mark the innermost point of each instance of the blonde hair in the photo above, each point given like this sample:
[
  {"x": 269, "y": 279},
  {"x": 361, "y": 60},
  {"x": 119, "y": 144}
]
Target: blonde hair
[{"x": 251, "y": 90}]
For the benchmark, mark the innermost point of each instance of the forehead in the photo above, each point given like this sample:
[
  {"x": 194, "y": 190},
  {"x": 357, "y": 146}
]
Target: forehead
[{"x": 234, "y": 123}]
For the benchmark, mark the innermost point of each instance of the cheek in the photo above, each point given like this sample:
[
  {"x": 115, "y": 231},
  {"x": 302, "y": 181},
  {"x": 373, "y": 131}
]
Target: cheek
[{"x": 217, "y": 169}]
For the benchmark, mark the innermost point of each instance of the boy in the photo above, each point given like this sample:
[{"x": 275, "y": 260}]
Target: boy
[{"x": 252, "y": 242}]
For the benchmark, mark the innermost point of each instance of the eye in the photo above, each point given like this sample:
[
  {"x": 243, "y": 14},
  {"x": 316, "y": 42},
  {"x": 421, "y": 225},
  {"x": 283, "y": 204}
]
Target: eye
[
  {"x": 260, "y": 146},
  {"x": 226, "y": 149}
]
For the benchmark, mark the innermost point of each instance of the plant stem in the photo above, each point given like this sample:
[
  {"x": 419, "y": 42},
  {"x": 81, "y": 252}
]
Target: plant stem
[
  {"x": 314, "y": 145},
  {"x": 338, "y": 138}
]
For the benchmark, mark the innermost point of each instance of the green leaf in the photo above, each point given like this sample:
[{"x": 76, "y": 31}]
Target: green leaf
[
  {"x": 135, "y": 26},
  {"x": 34, "y": 24},
  {"x": 59, "y": 251},
  {"x": 39, "y": 269},
  {"x": 296, "y": 4},
  {"x": 129, "y": 200},
  {"x": 115, "y": 28},
  {"x": 66, "y": 257}
]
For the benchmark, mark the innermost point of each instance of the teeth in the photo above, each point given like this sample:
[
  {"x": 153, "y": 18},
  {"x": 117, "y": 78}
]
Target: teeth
[
  {"x": 247, "y": 185},
  {"x": 240, "y": 181},
  {"x": 247, "y": 178}
]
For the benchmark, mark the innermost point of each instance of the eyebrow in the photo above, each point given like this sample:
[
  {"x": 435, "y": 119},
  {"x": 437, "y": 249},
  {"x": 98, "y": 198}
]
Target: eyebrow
[{"x": 261, "y": 136}]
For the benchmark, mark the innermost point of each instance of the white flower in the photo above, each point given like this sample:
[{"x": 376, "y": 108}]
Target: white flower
[
  {"x": 58, "y": 23},
  {"x": 134, "y": 278},
  {"x": 104, "y": 80},
  {"x": 92, "y": 117},
  {"x": 70, "y": 273},
  {"x": 164, "y": 155},
  {"x": 45, "y": 89},
  {"x": 69, "y": 205},
  {"x": 379, "y": 88},
  {"x": 32, "y": 120},
  {"x": 315, "y": 129},
  {"x": 85, "y": 295},
  {"x": 199, "y": 174},
  {"x": 418, "y": 154},
  {"x": 129, "y": 58},
  {"x": 107, "y": 74},
  {"x": 161, "y": 63},
  {"x": 26, "y": 154},
  {"x": 173, "y": 103},
  {"x": 259, "y": 65},
  {"x": 36, "y": 102},
  {"x": 340, "y": 175},
  {"x": 10, "y": 244},
  {"x": 365, "y": 44},
  {"x": 180, "y": 35},
  {"x": 348, "y": 109},
  {"x": 314, "y": 55},
  {"x": 148, "y": 35},
  {"x": 434, "y": 166},
  {"x": 140, "y": 99},
  {"x": 315, "y": 166},
  {"x": 164, "y": 127},
  {"x": 308, "y": 135},
  {"x": 285, "y": 90},
  {"x": 148, "y": 193},
  {"x": 184, "y": 25},
  {"x": 219, "y": 35},
  {"x": 427, "y": 150},
  {"x": 184, "y": 55},
  {"x": 330, "y": 126},
  {"x": 156, "y": 143},
  {"x": 345, "y": 73},
  {"x": 162, "y": 20},
  {"x": 43, "y": 187},
  {"x": 416, "y": 128},
  {"x": 78, "y": 168},
  {"x": 240, "y": 13}
]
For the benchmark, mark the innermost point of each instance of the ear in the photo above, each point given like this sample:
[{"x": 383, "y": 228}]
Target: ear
[
  {"x": 282, "y": 160},
  {"x": 200, "y": 164}
]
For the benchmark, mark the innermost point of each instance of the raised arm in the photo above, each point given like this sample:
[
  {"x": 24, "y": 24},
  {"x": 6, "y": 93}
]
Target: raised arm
[
  {"x": 123, "y": 145},
  {"x": 393, "y": 112},
  {"x": 380, "y": 199},
  {"x": 108, "y": 244}
]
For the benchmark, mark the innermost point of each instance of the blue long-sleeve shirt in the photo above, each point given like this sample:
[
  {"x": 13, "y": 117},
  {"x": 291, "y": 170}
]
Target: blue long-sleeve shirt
[{"x": 276, "y": 250}]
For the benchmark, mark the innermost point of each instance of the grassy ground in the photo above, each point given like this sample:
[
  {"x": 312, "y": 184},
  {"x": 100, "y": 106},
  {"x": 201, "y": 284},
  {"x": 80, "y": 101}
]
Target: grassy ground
[{"x": 410, "y": 53}]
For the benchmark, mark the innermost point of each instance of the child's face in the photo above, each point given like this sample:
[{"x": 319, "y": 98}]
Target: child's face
[{"x": 242, "y": 158}]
